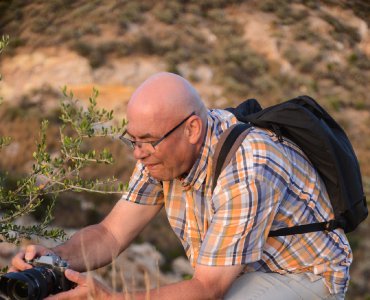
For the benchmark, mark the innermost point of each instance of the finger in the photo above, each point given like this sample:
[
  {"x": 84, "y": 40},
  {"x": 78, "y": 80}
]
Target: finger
[
  {"x": 18, "y": 263},
  {"x": 12, "y": 269},
  {"x": 31, "y": 252},
  {"x": 75, "y": 276}
]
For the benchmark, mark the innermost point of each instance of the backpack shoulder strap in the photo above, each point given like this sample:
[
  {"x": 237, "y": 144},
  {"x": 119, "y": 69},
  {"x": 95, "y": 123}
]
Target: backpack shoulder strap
[
  {"x": 227, "y": 146},
  {"x": 306, "y": 228}
]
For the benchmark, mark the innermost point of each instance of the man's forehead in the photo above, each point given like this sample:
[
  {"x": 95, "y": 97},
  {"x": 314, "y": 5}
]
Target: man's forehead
[
  {"x": 146, "y": 127},
  {"x": 150, "y": 121},
  {"x": 140, "y": 135}
]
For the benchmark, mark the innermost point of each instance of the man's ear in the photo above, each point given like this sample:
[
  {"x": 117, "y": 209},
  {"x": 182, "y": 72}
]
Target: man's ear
[{"x": 193, "y": 129}]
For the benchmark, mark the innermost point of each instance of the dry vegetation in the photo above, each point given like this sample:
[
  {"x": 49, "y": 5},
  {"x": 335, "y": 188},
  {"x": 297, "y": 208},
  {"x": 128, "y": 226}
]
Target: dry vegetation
[{"x": 319, "y": 48}]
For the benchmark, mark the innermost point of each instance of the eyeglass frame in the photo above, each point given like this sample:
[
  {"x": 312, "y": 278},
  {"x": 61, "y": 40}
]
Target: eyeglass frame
[{"x": 132, "y": 144}]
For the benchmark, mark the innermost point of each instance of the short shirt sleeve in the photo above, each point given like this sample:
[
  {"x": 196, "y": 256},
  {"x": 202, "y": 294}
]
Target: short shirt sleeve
[{"x": 143, "y": 189}]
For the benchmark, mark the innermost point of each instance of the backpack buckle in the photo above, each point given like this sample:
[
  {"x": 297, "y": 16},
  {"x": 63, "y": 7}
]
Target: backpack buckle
[
  {"x": 276, "y": 129},
  {"x": 331, "y": 225}
]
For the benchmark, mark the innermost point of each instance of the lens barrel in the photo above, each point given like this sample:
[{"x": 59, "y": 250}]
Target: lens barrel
[{"x": 32, "y": 284}]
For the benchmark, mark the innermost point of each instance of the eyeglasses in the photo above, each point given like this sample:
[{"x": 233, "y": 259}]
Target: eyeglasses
[{"x": 152, "y": 144}]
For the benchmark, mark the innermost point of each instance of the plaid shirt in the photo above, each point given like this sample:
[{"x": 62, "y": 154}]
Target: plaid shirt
[{"x": 267, "y": 185}]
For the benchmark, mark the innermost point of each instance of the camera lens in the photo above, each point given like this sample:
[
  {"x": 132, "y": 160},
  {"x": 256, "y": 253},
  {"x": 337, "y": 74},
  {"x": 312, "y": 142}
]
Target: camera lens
[
  {"x": 32, "y": 284},
  {"x": 20, "y": 290}
]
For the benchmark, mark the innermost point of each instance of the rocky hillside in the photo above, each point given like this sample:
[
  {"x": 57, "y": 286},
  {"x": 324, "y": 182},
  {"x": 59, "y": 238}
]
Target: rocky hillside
[{"x": 229, "y": 49}]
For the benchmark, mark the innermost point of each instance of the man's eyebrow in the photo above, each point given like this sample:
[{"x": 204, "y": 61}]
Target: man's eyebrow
[{"x": 144, "y": 136}]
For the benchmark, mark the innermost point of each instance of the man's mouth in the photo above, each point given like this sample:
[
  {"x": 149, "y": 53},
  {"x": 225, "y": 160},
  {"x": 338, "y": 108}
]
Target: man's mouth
[{"x": 150, "y": 166}]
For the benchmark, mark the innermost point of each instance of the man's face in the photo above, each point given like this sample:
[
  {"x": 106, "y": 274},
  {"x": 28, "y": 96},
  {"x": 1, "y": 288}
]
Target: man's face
[{"x": 162, "y": 147}]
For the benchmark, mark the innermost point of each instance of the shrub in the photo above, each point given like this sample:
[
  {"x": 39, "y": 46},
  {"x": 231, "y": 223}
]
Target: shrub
[
  {"x": 342, "y": 32},
  {"x": 168, "y": 12},
  {"x": 283, "y": 10},
  {"x": 132, "y": 12},
  {"x": 359, "y": 60},
  {"x": 95, "y": 54},
  {"x": 60, "y": 171}
]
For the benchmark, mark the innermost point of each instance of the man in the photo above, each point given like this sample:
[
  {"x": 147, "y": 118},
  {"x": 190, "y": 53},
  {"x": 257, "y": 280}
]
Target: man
[{"x": 267, "y": 185}]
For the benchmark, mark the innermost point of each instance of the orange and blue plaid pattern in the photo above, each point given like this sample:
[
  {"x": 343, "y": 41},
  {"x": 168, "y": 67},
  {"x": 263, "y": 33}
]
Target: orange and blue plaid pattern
[{"x": 268, "y": 185}]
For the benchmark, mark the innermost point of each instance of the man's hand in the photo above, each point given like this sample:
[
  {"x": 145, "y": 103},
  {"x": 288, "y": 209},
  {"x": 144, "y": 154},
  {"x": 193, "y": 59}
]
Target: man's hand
[
  {"x": 30, "y": 252},
  {"x": 87, "y": 288}
]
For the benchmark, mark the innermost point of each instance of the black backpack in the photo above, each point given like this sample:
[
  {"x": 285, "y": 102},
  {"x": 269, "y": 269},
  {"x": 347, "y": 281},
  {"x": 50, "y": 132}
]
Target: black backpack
[{"x": 307, "y": 124}]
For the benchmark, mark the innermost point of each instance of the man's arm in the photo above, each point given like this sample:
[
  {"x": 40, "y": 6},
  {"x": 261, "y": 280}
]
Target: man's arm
[
  {"x": 95, "y": 246},
  {"x": 207, "y": 283}
]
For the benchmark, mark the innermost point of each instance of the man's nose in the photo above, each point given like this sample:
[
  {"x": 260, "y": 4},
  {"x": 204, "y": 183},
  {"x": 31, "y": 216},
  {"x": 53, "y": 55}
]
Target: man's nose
[{"x": 140, "y": 152}]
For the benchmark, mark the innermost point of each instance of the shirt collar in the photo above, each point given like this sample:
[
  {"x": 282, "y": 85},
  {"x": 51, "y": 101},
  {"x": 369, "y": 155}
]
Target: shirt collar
[{"x": 198, "y": 172}]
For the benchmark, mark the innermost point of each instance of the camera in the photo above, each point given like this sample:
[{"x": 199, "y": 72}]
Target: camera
[{"x": 45, "y": 278}]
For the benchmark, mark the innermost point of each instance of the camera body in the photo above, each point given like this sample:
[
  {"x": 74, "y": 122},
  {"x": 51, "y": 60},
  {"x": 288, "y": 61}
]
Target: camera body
[
  {"x": 45, "y": 278},
  {"x": 57, "y": 266}
]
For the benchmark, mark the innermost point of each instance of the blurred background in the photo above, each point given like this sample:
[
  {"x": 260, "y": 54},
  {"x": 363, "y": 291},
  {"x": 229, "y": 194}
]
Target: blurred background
[{"x": 231, "y": 50}]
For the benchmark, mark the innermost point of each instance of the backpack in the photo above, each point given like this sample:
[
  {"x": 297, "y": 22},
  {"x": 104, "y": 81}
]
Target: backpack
[{"x": 324, "y": 142}]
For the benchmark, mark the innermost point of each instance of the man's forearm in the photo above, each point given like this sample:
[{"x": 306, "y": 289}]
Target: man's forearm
[
  {"x": 208, "y": 282},
  {"x": 92, "y": 247},
  {"x": 185, "y": 290},
  {"x": 96, "y": 245}
]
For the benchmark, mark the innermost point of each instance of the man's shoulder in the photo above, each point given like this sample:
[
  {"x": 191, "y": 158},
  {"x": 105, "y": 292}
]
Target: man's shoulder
[
  {"x": 219, "y": 120},
  {"x": 221, "y": 116},
  {"x": 267, "y": 140}
]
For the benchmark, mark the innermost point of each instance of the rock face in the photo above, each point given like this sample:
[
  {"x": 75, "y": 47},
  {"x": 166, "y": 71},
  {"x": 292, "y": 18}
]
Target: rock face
[
  {"x": 53, "y": 67},
  {"x": 285, "y": 48},
  {"x": 37, "y": 78},
  {"x": 27, "y": 75}
]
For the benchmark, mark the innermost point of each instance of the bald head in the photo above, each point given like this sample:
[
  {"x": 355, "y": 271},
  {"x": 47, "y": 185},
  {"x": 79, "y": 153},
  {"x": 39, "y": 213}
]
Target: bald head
[
  {"x": 166, "y": 96},
  {"x": 161, "y": 110}
]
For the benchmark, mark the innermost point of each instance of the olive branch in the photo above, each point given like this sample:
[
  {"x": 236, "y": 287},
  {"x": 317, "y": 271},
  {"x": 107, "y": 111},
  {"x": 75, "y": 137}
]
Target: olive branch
[{"x": 60, "y": 171}]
